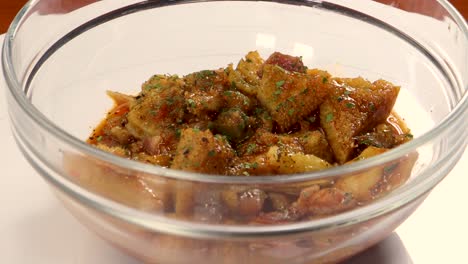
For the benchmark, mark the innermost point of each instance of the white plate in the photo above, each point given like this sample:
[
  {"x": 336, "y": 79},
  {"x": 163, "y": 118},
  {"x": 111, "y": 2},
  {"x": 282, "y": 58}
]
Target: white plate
[{"x": 35, "y": 228}]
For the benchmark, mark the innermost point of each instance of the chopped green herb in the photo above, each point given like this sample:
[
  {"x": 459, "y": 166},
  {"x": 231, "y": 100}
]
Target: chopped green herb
[
  {"x": 312, "y": 119},
  {"x": 372, "y": 107},
  {"x": 291, "y": 99},
  {"x": 191, "y": 102},
  {"x": 329, "y": 117},
  {"x": 170, "y": 101},
  {"x": 211, "y": 153},
  {"x": 390, "y": 168},
  {"x": 350, "y": 105},
  {"x": 409, "y": 135},
  {"x": 99, "y": 138},
  {"x": 196, "y": 130},
  {"x": 279, "y": 106},
  {"x": 251, "y": 148},
  {"x": 204, "y": 74},
  {"x": 291, "y": 112},
  {"x": 233, "y": 85},
  {"x": 325, "y": 80},
  {"x": 178, "y": 132},
  {"x": 347, "y": 92},
  {"x": 128, "y": 152},
  {"x": 339, "y": 99},
  {"x": 258, "y": 111},
  {"x": 250, "y": 165},
  {"x": 248, "y": 60},
  {"x": 153, "y": 86},
  {"x": 152, "y": 112},
  {"x": 277, "y": 92},
  {"x": 279, "y": 83},
  {"x": 365, "y": 142},
  {"x": 246, "y": 173}
]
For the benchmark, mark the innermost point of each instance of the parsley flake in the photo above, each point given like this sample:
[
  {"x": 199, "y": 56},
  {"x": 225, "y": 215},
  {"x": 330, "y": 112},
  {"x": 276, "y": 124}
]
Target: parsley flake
[
  {"x": 329, "y": 117},
  {"x": 233, "y": 85},
  {"x": 390, "y": 168},
  {"x": 191, "y": 102},
  {"x": 350, "y": 105},
  {"x": 367, "y": 142},
  {"x": 153, "y": 86},
  {"x": 279, "y": 83},
  {"x": 251, "y": 148}
]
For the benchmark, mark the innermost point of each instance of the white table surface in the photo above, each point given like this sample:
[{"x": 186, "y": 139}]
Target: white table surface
[{"x": 35, "y": 228}]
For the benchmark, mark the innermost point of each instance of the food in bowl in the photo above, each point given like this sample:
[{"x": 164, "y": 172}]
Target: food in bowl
[{"x": 263, "y": 118}]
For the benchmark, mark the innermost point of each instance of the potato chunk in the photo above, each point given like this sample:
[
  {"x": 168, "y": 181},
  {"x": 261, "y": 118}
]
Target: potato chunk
[
  {"x": 362, "y": 184},
  {"x": 204, "y": 92},
  {"x": 159, "y": 108},
  {"x": 289, "y": 163},
  {"x": 352, "y": 107},
  {"x": 290, "y": 96},
  {"x": 315, "y": 143},
  {"x": 375, "y": 182},
  {"x": 245, "y": 77},
  {"x": 200, "y": 151}
]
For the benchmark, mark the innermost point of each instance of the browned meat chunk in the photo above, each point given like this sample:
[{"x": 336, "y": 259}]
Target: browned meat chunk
[
  {"x": 287, "y": 62},
  {"x": 324, "y": 201}
]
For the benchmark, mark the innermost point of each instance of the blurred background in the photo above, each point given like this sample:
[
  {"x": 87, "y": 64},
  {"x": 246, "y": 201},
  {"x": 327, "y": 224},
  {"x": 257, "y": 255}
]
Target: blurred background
[{"x": 9, "y": 8}]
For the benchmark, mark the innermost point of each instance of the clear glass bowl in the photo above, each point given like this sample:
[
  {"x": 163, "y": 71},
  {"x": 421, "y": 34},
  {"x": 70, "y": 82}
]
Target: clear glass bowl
[{"x": 59, "y": 62}]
